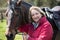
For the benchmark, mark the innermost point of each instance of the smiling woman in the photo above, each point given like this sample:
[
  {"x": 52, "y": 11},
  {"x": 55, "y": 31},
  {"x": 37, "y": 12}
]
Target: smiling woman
[{"x": 39, "y": 28}]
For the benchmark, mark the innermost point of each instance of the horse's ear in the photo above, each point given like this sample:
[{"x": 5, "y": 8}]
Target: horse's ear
[{"x": 19, "y": 2}]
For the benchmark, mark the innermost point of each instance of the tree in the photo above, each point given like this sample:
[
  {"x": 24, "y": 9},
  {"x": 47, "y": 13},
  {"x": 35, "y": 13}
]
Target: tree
[
  {"x": 45, "y": 3},
  {"x": 53, "y": 3},
  {"x": 3, "y": 3},
  {"x": 38, "y": 2}
]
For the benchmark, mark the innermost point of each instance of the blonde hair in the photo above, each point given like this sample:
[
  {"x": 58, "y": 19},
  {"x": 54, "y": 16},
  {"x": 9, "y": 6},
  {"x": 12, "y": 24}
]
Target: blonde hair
[{"x": 35, "y": 8}]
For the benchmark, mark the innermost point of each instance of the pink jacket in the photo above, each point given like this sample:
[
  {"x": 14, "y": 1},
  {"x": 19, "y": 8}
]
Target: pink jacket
[{"x": 44, "y": 30}]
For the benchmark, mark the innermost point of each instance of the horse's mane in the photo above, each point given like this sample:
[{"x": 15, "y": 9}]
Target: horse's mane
[
  {"x": 24, "y": 13},
  {"x": 25, "y": 10}
]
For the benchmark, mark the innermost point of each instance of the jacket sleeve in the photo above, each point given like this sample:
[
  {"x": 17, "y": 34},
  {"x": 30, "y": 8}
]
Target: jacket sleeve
[
  {"x": 46, "y": 33},
  {"x": 23, "y": 28}
]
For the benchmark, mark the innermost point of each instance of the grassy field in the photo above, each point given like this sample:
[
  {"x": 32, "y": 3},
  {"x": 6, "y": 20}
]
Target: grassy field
[{"x": 2, "y": 32}]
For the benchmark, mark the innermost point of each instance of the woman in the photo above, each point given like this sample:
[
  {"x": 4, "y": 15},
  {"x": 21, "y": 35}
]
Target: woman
[{"x": 38, "y": 28}]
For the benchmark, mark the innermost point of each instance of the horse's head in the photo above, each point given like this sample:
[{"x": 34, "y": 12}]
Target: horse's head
[{"x": 18, "y": 16}]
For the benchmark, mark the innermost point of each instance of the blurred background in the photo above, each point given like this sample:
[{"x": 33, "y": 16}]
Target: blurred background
[{"x": 3, "y": 7}]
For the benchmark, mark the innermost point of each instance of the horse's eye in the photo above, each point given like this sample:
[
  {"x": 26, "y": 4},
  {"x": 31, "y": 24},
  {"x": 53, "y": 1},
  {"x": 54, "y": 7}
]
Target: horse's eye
[{"x": 16, "y": 14}]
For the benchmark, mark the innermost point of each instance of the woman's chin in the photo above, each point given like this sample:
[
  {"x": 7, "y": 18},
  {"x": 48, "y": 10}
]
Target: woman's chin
[{"x": 36, "y": 21}]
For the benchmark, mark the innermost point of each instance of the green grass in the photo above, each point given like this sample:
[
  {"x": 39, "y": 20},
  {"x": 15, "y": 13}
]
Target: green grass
[{"x": 2, "y": 32}]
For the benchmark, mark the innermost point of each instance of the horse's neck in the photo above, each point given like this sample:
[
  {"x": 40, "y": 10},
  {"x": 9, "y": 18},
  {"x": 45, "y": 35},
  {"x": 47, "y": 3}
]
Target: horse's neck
[{"x": 26, "y": 4}]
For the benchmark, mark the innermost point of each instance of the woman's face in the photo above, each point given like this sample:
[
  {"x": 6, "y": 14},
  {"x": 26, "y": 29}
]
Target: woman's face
[{"x": 36, "y": 15}]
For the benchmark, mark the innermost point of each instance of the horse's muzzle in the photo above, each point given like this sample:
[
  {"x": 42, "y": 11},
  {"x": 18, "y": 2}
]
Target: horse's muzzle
[{"x": 10, "y": 37}]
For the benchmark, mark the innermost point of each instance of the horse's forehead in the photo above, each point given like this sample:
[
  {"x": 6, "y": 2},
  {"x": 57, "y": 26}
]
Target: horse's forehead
[
  {"x": 56, "y": 8},
  {"x": 9, "y": 14}
]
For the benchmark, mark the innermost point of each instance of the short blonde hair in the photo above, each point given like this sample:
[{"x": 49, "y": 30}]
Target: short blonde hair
[{"x": 35, "y": 8}]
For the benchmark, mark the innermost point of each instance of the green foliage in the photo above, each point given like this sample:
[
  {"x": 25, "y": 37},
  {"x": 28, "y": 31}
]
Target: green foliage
[
  {"x": 38, "y": 2},
  {"x": 2, "y": 31},
  {"x": 58, "y": 3},
  {"x": 53, "y": 3},
  {"x": 3, "y": 3},
  {"x": 45, "y": 3}
]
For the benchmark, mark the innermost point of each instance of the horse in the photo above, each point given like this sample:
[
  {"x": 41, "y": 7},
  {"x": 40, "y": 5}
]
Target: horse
[
  {"x": 19, "y": 17},
  {"x": 56, "y": 18},
  {"x": 15, "y": 18},
  {"x": 53, "y": 16}
]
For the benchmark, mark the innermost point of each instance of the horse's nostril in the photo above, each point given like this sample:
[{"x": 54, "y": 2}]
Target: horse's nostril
[{"x": 10, "y": 37}]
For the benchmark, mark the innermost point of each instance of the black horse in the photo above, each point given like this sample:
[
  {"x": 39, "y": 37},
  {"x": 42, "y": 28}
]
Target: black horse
[{"x": 16, "y": 17}]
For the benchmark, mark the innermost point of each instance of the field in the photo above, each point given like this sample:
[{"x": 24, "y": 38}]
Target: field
[{"x": 2, "y": 32}]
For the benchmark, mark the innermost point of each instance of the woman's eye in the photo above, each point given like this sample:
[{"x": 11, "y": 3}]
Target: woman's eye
[
  {"x": 32, "y": 15},
  {"x": 36, "y": 13}
]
